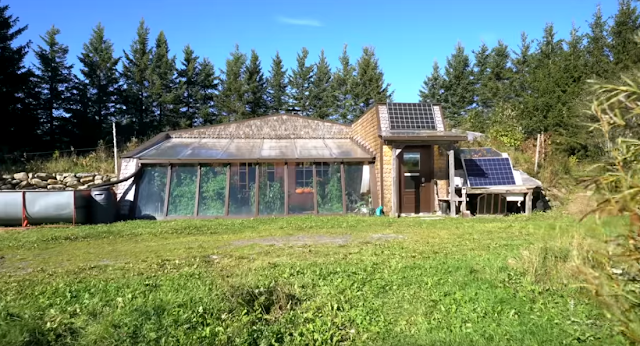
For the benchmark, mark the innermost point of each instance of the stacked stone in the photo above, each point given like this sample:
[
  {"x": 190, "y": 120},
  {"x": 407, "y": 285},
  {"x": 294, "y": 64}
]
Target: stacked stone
[{"x": 57, "y": 181}]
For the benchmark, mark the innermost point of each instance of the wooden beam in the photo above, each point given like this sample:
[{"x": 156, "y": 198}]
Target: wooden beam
[
  {"x": 166, "y": 191},
  {"x": 452, "y": 186},
  {"x": 395, "y": 187},
  {"x": 381, "y": 156},
  {"x": 373, "y": 185},
  {"x": 315, "y": 191},
  {"x": 195, "y": 211},
  {"x": 228, "y": 192},
  {"x": 529, "y": 203},
  {"x": 515, "y": 189},
  {"x": 257, "y": 194},
  {"x": 286, "y": 188},
  {"x": 344, "y": 190}
]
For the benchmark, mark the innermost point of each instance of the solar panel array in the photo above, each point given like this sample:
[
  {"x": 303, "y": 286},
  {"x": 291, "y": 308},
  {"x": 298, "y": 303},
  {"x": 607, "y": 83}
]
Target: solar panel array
[
  {"x": 470, "y": 153},
  {"x": 489, "y": 171},
  {"x": 411, "y": 116}
]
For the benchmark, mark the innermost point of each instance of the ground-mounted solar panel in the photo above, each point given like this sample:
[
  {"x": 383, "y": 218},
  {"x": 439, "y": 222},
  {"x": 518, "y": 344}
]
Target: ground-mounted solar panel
[
  {"x": 411, "y": 116},
  {"x": 489, "y": 171},
  {"x": 471, "y": 153}
]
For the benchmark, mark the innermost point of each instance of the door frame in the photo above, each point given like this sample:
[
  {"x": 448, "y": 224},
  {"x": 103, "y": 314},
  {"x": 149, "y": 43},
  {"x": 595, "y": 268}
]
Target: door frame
[{"x": 427, "y": 190}]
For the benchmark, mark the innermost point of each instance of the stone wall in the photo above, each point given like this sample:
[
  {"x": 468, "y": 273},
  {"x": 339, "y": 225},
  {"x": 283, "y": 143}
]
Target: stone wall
[{"x": 53, "y": 181}]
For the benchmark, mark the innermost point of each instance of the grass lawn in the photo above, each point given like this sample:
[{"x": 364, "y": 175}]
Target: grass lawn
[{"x": 299, "y": 280}]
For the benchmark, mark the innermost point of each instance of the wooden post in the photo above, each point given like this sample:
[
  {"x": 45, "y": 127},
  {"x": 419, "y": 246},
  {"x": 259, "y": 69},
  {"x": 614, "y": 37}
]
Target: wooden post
[
  {"x": 257, "y": 193},
  {"x": 395, "y": 190},
  {"x": 529, "y": 203},
  {"x": 535, "y": 167},
  {"x": 195, "y": 211},
  {"x": 115, "y": 150},
  {"x": 373, "y": 183},
  {"x": 167, "y": 191},
  {"x": 286, "y": 188},
  {"x": 463, "y": 206},
  {"x": 228, "y": 192},
  {"x": 344, "y": 190},
  {"x": 315, "y": 191},
  {"x": 452, "y": 186}
]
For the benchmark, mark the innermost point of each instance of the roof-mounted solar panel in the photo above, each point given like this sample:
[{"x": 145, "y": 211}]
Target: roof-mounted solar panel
[
  {"x": 489, "y": 171},
  {"x": 411, "y": 116}
]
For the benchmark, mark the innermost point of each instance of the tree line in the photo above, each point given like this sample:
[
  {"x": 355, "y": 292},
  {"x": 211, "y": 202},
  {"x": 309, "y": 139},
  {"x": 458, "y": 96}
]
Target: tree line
[
  {"x": 146, "y": 90},
  {"x": 541, "y": 86}
]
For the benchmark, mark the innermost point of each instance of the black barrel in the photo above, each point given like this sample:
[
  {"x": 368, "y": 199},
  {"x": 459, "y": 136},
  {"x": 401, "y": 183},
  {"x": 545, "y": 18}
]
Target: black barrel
[{"x": 103, "y": 206}]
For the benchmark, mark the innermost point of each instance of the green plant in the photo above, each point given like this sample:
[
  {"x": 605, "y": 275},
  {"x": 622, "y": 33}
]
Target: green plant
[
  {"x": 330, "y": 192},
  {"x": 182, "y": 191},
  {"x": 213, "y": 190},
  {"x": 271, "y": 196},
  {"x": 505, "y": 128}
]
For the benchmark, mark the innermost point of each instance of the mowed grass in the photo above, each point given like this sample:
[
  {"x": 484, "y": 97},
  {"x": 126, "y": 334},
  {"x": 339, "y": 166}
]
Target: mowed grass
[{"x": 300, "y": 280}]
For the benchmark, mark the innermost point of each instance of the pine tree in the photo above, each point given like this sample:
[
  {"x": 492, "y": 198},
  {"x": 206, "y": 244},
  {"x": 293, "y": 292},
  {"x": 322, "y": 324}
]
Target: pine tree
[
  {"x": 370, "y": 86},
  {"x": 17, "y": 119},
  {"x": 480, "y": 77},
  {"x": 521, "y": 65},
  {"x": 343, "y": 87},
  {"x": 431, "y": 91},
  {"x": 300, "y": 83},
  {"x": 232, "y": 102},
  {"x": 458, "y": 88},
  {"x": 99, "y": 70},
  {"x": 53, "y": 82},
  {"x": 162, "y": 84},
  {"x": 499, "y": 76},
  {"x": 188, "y": 90},
  {"x": 135, "y": 72},
  {"x": 256, "y": 87},
  {"x": 322, "y": 98},
  {"x": 625, "y": 50},
  {"x": 597, "y": 47},
  {"x": 208, "y": 83},
  {"x": 277, "y": 86}
]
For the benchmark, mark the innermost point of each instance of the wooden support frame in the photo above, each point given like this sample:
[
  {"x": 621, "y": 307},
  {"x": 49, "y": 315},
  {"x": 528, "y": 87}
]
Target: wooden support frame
[
  {"x": 315, "y": 190},
  {"x": 344, "y": 190},
  {"x": 528, "y": 208},
  {"x": 373, "y": 185},
  {"x": 136, "y": 194},
  {"x": 228, "y": 192},
  {"x": 452, "y": 185},
  {"x": 197, "y": 206},
  {"x": 286, "y": 188},
  {"x": 167, "y": 191},
  {"x": 257, "y": 193}
]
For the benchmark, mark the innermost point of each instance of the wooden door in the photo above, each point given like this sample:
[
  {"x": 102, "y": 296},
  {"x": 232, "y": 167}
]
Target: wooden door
[{"x": 416, "y": 180}]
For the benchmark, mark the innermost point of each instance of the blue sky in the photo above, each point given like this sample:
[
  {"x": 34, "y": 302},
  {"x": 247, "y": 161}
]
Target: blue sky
[{"x": 407, "y": 34}]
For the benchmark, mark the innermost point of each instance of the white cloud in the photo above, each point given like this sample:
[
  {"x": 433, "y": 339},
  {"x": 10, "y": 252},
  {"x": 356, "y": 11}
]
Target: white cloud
[{"x": 294, "y": 21}]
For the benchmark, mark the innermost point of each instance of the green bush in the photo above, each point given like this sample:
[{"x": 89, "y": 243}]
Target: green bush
[{"x": 213, "y": 190}]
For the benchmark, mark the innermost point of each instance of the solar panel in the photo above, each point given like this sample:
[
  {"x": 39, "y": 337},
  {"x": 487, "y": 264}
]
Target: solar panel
[
  {"x": 411, "y": 116},
  {"x": 490, "y": 171},
  {"x": 470, "y": 153}
]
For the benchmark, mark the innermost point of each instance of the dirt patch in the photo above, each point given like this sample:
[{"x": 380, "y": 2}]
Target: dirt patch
[{"x": 383, "y": 237}]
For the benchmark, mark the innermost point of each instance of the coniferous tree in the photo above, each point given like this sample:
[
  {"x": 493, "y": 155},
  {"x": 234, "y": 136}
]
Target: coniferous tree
[
  {"x": 431, "y": 91},
  {"x": 625, "y": 50},
  {"x": 322, "y": 98},
  {"x": 277, "y": 86},
  {"x": 232, "y": 103},
  {"x": 100, "y": 93},
  {"x": 17, "y": 119},
  {"x": 480, "y": 76},
  {"x": 521, "y": 65},
  {"x": 162, "y": 84},
  {"x": 597, "y": 47},
  {"x": 208, "y": 84},
  {"x": 256, "y": 87},
  {"x": 343, "y": 86},
  {"x": 370, "y": 86},
  {"x": 53, "y": 82},
  {"x": 499, "y": 75},
  {"x": 136, "y": 73},
  {"x": 188, "y": 90},
  {"x": 299, "y": 82},
  {"x": 458, "y": 88}
]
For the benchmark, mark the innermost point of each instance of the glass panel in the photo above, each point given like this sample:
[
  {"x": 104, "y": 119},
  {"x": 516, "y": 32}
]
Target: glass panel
[
  {"x": 329, "y": 186},
  {"x": 182, "y": 192},
  {"x": 151, "y": 190},
  {"x": 301, "y": 188},
  {"x": 411, "y": 161},
  {"x": 169, "y": 149},
  {"x": 213, "y": 190},
  {"x": 271, "y": 194},
  {"x": 241, "y": 191},
  {"x": 358, "y": 189},
  {"x": 312, "y": 149},
  {"x": 243, "y": 149},
  {"x": 411, "y": 183},
  {"x": 278, "y": 149},
  {"x": 206, "y": 149},
  {"x": 346, "y": 149}
]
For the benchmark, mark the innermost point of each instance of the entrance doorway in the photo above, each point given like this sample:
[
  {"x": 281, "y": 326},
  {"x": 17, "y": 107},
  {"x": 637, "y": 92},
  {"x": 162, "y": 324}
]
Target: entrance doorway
[{"x": 416, "y": 180}]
